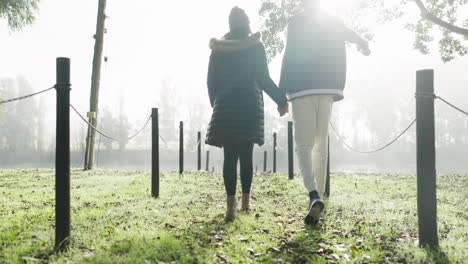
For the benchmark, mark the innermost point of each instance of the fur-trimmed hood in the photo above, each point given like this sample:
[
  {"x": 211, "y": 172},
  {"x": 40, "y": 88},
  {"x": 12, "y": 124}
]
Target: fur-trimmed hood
[{"x": 226, "y": 45}]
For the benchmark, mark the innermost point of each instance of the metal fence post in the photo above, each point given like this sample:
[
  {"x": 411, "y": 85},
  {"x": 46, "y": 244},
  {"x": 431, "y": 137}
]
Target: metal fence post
[
  {"x": 265, "y": 161},
  {"x": 274, "y": 151},
  {"x": 327, "y": 182},
  {"x": 181, "y": 148},
  {"x": 426, "y": 171},
  {"x": 199, "y": 152},
  {"x": 290, "y": 151},
  {"x": 207, "y": 160},
  {"x": 155, "y": 153},
  {"x": 62, "y": 156}
]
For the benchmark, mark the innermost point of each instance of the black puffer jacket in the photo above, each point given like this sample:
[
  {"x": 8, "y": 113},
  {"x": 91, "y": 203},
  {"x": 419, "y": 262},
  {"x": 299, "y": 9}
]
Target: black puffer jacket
[{"x": 235, "y": 84}]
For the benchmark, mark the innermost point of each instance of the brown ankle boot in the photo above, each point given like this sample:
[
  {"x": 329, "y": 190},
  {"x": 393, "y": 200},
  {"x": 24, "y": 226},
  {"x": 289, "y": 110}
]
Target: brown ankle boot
[
  {"x": 231, "y": 211},
  {"x": 246, "y": 202}
]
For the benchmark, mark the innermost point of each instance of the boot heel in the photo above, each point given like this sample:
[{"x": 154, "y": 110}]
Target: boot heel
[{"x": 231, "y": 210}]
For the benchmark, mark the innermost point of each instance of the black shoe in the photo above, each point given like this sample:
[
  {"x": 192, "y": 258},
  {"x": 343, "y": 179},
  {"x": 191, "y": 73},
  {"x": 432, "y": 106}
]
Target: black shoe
[{"x": 316, "y": 207}]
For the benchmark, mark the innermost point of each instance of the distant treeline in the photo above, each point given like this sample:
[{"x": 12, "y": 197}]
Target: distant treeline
[{"x": 26, "y": 140}]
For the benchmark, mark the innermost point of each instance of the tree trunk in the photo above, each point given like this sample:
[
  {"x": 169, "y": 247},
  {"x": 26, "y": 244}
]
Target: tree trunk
[{"x": 95, "y": 84}]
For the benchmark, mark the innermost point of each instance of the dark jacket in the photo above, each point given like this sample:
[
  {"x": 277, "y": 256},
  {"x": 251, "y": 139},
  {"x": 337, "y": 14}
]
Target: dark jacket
[
  {"x": 315, "y": 58},
  {"x": 235, "y": 84}
]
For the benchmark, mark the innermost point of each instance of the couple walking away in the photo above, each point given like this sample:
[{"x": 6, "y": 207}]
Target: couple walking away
[{"x": 312, "y": 78}]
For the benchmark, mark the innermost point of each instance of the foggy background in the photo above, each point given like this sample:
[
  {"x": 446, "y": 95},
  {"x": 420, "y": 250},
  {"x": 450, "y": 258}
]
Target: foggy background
[{"x": 158, "y": 57}]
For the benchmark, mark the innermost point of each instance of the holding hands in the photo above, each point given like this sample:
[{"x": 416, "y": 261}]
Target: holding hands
[
  {"x": 283, "y": 110},
  {"x": 363, "y": 47}
]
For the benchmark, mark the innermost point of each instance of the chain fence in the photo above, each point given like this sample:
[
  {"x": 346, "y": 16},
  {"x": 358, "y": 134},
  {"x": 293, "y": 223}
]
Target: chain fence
[
  {"x": 451, "y": 105},
  {"x": 26, "y": 96},
  {"x": 342, "y": 140},
  {"x": 196, "y": 146},
  {"x": 278, "y": 146},
  {"x": 107, "y": 136},
  {"x": 421, "y": 95}
]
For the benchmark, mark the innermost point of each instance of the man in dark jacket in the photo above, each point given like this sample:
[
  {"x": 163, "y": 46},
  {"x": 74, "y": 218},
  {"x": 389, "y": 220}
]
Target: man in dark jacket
[{"x": 314, "y": 76}]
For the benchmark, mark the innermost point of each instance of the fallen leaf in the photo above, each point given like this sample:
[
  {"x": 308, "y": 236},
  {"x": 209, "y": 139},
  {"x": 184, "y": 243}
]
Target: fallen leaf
[
  {"x": 221, "y": 257},
  {"x": 274, "y": 250},
  {"x": 320, "y": 251},
  {"x": 354, "y": 249}
]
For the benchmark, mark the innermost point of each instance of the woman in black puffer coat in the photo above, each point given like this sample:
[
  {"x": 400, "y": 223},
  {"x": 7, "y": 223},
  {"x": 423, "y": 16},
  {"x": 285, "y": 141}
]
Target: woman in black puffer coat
[{"x": 237, "y": 76}]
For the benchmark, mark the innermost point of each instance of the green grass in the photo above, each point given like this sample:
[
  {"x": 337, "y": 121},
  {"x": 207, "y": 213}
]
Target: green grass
[{"x": 371, "y": 218}]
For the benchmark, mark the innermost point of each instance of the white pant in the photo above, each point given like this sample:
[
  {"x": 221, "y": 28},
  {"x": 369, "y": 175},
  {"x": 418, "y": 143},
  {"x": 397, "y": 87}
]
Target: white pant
[{"x": 311, "y": 116}]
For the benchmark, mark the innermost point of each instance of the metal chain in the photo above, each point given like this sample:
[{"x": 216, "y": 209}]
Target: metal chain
[
  {"x": 26, "y": 96},
  {"x": 107, "y": 136},
  {"x": 371, "y": 151},
  {"x": 453, "y": 106},
  {"x": 425, "y": 95},
  {"x": 163, "y": 140},
  {"x": 278, "y": 146},
  {"x": 196, "y": 146},
  {"x": 434, "y": 96}
]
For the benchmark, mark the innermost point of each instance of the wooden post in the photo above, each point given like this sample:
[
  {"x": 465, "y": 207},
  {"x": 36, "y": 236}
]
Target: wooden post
[
  {"x": 181, "y": 148},
  {"x": 290, "y": 151},
  {"x": 95, "y": 84},
  {"x": 199, "y": 152},
  {"x": 327, "y": 182},
  {"x": 264, "y": 161},
  {"x": 207, "y": 160},
  {"x": 155, "y": 153},
  {"x": 274, "y": 151},
  {"x": 62, "y": 156},
  {"x": 425, "y": 148}
]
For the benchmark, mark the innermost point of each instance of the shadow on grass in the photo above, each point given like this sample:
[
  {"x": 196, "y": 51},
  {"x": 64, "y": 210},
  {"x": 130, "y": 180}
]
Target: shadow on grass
[
  {"x": 303, "y": 247},
  {"x": 437, "y": 256}
]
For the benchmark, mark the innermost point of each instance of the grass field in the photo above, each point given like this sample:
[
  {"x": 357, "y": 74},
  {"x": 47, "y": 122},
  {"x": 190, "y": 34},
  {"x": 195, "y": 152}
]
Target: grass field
[{"x": 371, "y": 218}]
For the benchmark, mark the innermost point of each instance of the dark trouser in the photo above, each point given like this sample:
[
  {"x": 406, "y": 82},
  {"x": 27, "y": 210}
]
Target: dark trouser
[{"x": 234, "y": 151}]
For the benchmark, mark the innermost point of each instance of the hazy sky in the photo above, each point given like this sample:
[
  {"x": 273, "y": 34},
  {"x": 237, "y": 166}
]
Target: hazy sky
[{"x": 148, "y": 41}]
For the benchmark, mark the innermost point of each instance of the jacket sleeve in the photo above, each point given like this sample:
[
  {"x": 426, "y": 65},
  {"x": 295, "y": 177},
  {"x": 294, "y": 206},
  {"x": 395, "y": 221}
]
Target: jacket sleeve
[
  {"x": 211, "y": 82},
  {"x": 284, "y": 65},
  {"x": 264, "y": 80}
]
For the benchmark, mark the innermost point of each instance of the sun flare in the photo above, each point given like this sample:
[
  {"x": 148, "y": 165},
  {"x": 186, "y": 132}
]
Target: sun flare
[{"x": 337, "y": 6}]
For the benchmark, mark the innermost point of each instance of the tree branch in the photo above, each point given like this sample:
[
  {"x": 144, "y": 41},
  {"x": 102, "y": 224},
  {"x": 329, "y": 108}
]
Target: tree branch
[{"x": 434, "y": 19}]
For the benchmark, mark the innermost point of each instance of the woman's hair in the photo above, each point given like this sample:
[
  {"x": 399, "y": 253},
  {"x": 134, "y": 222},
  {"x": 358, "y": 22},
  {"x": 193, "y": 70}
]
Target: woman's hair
[{"x": 239, "y": 24}]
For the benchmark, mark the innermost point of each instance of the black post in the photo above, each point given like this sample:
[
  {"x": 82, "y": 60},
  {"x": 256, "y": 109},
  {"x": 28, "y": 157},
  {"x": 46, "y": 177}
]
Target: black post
[
  {"x": 274, "y": 151},
  {"x": 290, "y": 151},
  {"x": 264, "y": 161},
  {"x": 181, "y": 148},
  {"x": 62, "y": 156},
  {"x": 426, "y": 172},
  {"x": 155, "y": 153},
  {"x": 327, "y": 181},
  {"x": 207, "y": 160},
  {"x": 199, "y": 151}
]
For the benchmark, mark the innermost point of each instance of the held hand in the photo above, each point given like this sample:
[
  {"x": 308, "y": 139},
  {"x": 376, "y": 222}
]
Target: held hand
[
  {"x": 363, "y": 47},
  {"x": 283, "y": 110}
]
